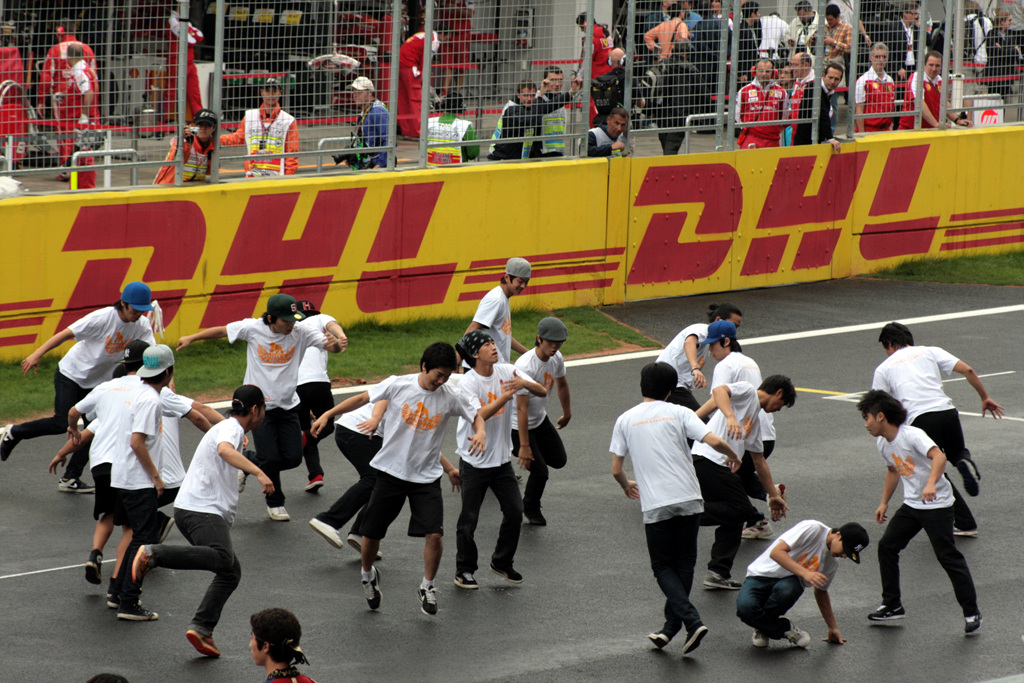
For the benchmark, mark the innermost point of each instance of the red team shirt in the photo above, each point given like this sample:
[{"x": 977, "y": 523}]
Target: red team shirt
[
  {"x": 756, "y": 104},
  {"x": 878, "y": 95},
  {"x": 932, "y": 100}
]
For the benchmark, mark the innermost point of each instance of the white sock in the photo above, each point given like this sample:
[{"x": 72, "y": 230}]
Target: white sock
[
  {"x": 367, "y": 576},
  {"x": 425, "y": 584}
]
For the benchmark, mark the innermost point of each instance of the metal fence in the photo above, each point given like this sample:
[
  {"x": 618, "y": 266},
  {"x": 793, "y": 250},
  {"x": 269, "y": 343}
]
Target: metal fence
[{"x": 400, "y": 84}]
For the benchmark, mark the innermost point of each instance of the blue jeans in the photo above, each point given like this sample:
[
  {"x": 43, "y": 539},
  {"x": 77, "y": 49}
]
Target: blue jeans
[
  {"x": 210, "y": 536},
  {"x": 763, "y": 600},
  {"x": 278, "y": 444},
  {"x": 672, "y": 545}
]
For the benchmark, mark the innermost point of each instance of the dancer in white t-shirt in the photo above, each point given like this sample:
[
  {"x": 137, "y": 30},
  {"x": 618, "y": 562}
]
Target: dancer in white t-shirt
[
  {"x": 654, "y": 435},
  {"x": 911, "y": 456},
  {"x": 687, "y": 355},
  {"x": 494, "y": 313}
]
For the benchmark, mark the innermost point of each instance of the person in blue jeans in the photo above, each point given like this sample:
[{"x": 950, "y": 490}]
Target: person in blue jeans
[{"x": 806, "y": 555}]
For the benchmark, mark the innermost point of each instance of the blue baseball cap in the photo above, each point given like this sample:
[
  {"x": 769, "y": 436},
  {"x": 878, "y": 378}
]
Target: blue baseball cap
[
  {"x": 138, "y": 296},
  {"x": 720, "y": 329}
]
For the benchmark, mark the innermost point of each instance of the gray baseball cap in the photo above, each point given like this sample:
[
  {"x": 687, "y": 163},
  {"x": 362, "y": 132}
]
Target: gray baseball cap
[
  {"x": 155, "y": 360},
  {"x": 552, "y": 329},
  {"x": 518, "y": 267}
]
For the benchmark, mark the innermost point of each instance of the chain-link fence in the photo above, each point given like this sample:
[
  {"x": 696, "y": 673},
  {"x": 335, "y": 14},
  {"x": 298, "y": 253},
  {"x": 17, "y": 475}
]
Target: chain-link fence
[{"x": 175, "y": 91}]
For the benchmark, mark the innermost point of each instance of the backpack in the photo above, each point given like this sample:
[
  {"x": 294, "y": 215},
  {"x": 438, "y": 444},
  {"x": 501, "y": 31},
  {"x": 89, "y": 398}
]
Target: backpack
[
  {"x": 937, "y": 40},
  {"x": 654, "y": 80},
  {"x": 606, "y": 91}
]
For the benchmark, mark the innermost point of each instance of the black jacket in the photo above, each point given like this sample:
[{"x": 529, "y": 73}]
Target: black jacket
[
  {"x": 517, "y": 119},
  {"x": 803, "y": 130}
]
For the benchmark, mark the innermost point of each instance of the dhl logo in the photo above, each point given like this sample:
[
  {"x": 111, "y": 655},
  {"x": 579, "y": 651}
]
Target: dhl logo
[
  {"x": 420, "y": 418},
  {"x": 275, "y": 355}
]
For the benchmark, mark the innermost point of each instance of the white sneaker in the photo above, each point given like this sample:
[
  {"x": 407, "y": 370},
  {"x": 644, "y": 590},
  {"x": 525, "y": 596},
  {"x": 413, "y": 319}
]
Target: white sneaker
[
  {"x": 798, "y": 637},
  {"x": 356, "y": 542},
  {"x": 278, "y": 514},
  {"x": 329, "y": 533},
  {"x": 241, "y": 480},
  {"x": 759, "y": 639},
  {"x": 762, "y": 529}
]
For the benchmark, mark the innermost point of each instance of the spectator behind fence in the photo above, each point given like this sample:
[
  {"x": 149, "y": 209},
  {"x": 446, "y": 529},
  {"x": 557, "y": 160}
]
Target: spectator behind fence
[
  {"x": 372, "y": 129},
  {"x": 749, "y": 41},
  {"x": 828, "y": 84},
  {"x": 606, "y": 140},
  {"x": 900, "y": 36},
  {"x": 74, "y": 100},
  {"x": 664, "y": 38},
  {"x": 268, "y": 130},
  {"x": 668, "y": 93},
  {"x": 410, "y": 78},
  {"x": 454, "y": 53},
  {"x": 197, "y": 150},
  {"x": 450, "y": 128},
  {"x": 875, "y": 93},
  {"x": 801, "y": 28},
  {"x": 761, "y": 101},
  {"x": 773, "y": 36},
  {"x": 1004, "y": 56},
  {"x": 601, "y": 61},
  {"x": 608, "y": 90},
  {"x": 838, "y": 35},
  {"x": 56, "y": 66},
  {"x": 192, "y": 96},
  {"x": 555, "y": 122},
  {"x": 523, "y": 117},
  {"x": 931, "y": 83},
  {"x": 706, "y": 45}
]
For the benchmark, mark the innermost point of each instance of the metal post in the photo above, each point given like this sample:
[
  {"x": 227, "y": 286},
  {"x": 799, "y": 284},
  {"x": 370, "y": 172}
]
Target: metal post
[
  {"x": 179, "y": 87},
  {"x": 819, "y": 73},
  {"x": 737, "y": 26},
  {"x": 217, "y": 90},
  {"x": 396, "y": 37},
  {"x": 851, "y": 75},
  {"x": 628, "y": 94},
  {"x": 944, "y": 92},
  {"x": 922, "y": 50},
  {"x": 723, "y": 57},
  {"x": 108, "y": 53},
  {"x": 9, "y": 154},
  {"x": 108, "y": 135},
  {"x": 956, "y": 79},
  {"x": 428, "y": 59},
  {"x": 588, "y": 58}
]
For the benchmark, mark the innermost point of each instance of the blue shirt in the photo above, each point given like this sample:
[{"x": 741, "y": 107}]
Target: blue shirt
[{"x": 373, "y": 131}]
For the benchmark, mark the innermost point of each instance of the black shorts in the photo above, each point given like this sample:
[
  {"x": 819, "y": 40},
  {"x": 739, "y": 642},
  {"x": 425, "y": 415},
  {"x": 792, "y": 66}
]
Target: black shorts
[
  {"x": 389, "y": 494},
  {"x": 105, "y": 501}
]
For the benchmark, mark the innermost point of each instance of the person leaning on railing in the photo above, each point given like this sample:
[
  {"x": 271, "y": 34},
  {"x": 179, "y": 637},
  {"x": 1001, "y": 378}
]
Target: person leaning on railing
[
  {"x": 196, "y": 150},
  {"x": 372, "y": 129},
  {"x": 268, "y": 130}
]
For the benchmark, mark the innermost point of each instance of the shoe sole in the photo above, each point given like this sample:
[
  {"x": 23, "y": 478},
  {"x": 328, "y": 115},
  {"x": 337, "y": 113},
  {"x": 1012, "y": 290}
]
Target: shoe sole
[
  {"x": 333, "y": 539},
  {"x": 280, "y": 518},
  {"x": 970, "y": 483},
  {"x": 717, "y": 586},
  {"x": 92, "y": 572},
  {"x": 84, "y": 491},
  {"x": 314, "y": 487},
  {"x": 356, "y": 545},
  {"x": 973, "y": 533},
  {"x": 137, "y": 617},
  {"x": 506, "y": 576},
  {"x": 201, "y": 647},
  {"x": 6, "y": 438},
  {"x": 884, "y": 619},
  {"x": 466, "y": 586},
  {"x": 659, "y": 640},
  {"x": 693, "y": 641}
]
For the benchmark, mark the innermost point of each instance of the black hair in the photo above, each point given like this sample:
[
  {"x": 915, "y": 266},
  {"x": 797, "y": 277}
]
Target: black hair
[
  {"x": 108, "y": 678},
  {"x": 525, "y": 83},
  {"x": 281, "y": 630},
  {"x": 619, "y": 111},
  {"x": 657, "y": 380},
  {"x": 268, "y": 319},
  {"x": 245, "y": 398},
  {"x": 832, "y": 11},
  {"x": 122, "y": 369},
  {"x": 896, "y": 334},
  {"x": 439, "y": 355},
  {"x": 877, "y": 401},
  {"x": 453, "y": 103},
  {"x": 734, "y": 344},
  {"x": 833, "y": 64},
  {"x": 723, "y": 312},
  {"x": 802, "y": 5},
  {"x": 552, "y": 71},
  {"x": 157, "y": 379},
  {"x": 773, "y": 383},
  {"x": 749, "y": 9}
]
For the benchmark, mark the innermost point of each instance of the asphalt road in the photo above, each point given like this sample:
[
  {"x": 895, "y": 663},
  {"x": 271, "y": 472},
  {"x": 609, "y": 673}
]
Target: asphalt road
[{"x": 589, "y": 598}]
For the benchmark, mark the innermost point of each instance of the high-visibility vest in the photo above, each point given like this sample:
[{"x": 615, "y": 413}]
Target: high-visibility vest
[
  {"x": 197, "y": 163},
  {"x": 496, "y": 135},
  {"x": 445, "y": 132},
  {"x": 260, "y": 137},
  {"x": 604, "y": 139},
  {"x": 554, "y": 129}
]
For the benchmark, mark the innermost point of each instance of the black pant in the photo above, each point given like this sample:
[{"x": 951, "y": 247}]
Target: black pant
[
  {"x": 315, "y": 398},
  {"x": 672, "y": 546},
  {"x": 141, "y": 508},
  {"x": 278, "y": 447},
  {"x": 727, "y": 507},
  {"x": 475, "y": 482},
  {"x": 670, "y": 142},
  {"x": 681, "y": 396},
  {"x": 66, "y": 393},
  {"x": 548, "y": 451},
  {"x": 359, "y": 450},
  {"x": 938, "y": 524},
  {"x": 943, "y": 427}
]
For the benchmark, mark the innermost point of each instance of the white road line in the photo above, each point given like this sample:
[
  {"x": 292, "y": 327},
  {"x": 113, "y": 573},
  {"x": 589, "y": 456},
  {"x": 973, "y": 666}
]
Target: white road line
[
  {"x": 991, "y": 374},
  {"x": 51, "y": 569}
]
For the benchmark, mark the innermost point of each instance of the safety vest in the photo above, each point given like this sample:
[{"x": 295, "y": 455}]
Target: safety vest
[
  {"x": 445, "y": 132},
  {"x": 197, "y": 162},
  {"x": 268, "y": 139},
  {"x": 604, "y": 139},
  {"x": 554, "y": 128},
  {"x": 496, "y": 135}
]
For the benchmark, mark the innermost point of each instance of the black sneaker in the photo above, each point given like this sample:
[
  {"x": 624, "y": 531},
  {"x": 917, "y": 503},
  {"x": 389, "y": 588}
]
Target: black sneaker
[
  {"x": 964, "y": 466},
  {"x": 973, "y": 623},
  {"x": 166, "y": 524},
  {"x": 371, "y": 589},
  {"x": 510, "y": 575},
  {"x": 136, "y": 612},
  {"x": 659, "y": 639},
  {"x": 92, "y": 567},
  {"x": 535, "y": 518},
  {"x": 886, "y": 613},
  {"x": 466, "y": 580},
  {"x": 694, "y": 637},
  {"x": 428, "y": 600},
  {"x": 7, "y": 442},
  {"x": 113, "y": 600},
  {"x": 75, "y": 485}
]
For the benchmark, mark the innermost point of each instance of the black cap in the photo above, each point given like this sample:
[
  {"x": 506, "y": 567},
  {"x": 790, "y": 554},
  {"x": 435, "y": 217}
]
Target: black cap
[
  {"x": 133, "y": 351},
  {"x": 205, "y": 116},
  {"x": 855, "y": 539}
]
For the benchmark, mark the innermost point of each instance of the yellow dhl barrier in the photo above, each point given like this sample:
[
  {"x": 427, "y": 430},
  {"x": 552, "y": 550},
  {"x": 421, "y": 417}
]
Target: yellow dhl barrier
[{"x": 397, "y": 246}]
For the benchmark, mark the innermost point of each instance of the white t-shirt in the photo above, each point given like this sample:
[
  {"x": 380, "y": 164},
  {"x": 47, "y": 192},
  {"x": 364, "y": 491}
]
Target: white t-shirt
[
  {"x": 174, "y": 407},
  {"x": 545, "y": 372},
  {"x": 211, "y": 484},
  {"x": 414, "y": 428},
  {"x": 807, "y": 547},
  {"x": 80, "y": 74},
  {"x": 358, "y": 416},
  {"x": 746, "y": 407},
  {"x": 100, "y": 340},
  {"x": 739, "y": 368},
  {"x": 675, "y": 353},
  {"x": 908, "y": 453},
  {"x": 495, "y": 313},
  {"x": 144, "y": 410},
  {"x": 314, "y": 362},
  {"x": 913, "y": 376},
  {"x": 653, "y": 434},
  {"x": 479, "y": 391},
  {"x": 272, "y": 360},
  {"x": 111, "y": 428}
]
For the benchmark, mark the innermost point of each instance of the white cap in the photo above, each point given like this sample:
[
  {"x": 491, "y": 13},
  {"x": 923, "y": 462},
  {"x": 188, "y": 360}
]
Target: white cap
[
  {"x": 155, "y": 360},
  {"x": 362, "y": 83}
]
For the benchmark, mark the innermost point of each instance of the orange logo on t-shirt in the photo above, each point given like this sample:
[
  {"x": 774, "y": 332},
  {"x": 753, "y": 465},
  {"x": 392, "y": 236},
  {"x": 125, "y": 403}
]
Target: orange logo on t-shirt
[
  {"x": 420, "y": 418},
  {"x": 549, "y": 381},
  {"x": 748, "y": 424},
  {"x": 490, "y": 399},
  {"x": 116, "y": 343},
  {"x": 275, "y": 355},
  {"x": 904, "y": 467},
  {"x": 506, "y": 326},
  {"x": 808, "y": 561}
]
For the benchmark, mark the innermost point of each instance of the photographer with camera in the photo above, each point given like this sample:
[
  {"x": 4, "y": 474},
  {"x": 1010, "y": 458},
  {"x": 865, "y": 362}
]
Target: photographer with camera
[
  {"x": 371, "y": 131},
  {"x": 196, "y": 150}
]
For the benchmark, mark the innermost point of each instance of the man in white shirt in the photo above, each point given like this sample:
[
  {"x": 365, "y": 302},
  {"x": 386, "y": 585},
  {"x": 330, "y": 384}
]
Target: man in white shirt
[
  {"x": 687, "y": 355},
  {"x": 803, "y": 556},
  {"x": 913, "y": 376},
  {"x": 494, "y": 312},
  {"x": 912, "y": 457},
  {"x": 654, "y": 435}
]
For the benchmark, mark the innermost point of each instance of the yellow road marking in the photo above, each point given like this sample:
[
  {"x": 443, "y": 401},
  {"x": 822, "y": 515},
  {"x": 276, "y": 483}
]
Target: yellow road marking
[{"x": 822, "y": 391}]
